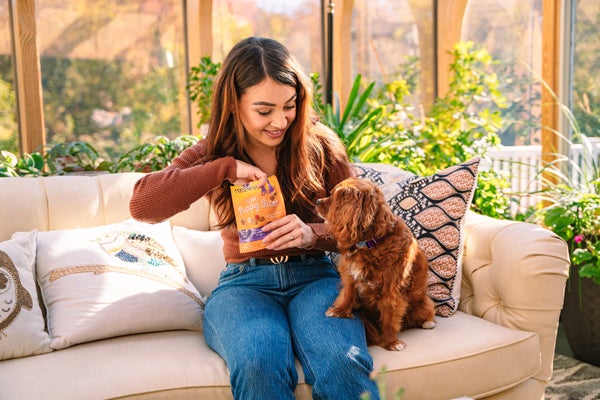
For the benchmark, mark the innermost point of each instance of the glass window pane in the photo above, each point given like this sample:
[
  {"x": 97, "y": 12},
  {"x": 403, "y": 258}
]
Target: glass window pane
[
  {"x": 395, "y": 39},
  {"x": 512, "y": 32},
  {"x": 8, "y": 109},
  {"x": 295, "y": 23},
  {"x": 586, "y": 67},
  {"x": 113, "y": 72}
]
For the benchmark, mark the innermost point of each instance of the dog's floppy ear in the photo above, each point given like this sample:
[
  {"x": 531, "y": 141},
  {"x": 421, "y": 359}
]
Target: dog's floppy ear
[
  {"x": 369, "y": 207},
  {"x": 345, "y": 210}
]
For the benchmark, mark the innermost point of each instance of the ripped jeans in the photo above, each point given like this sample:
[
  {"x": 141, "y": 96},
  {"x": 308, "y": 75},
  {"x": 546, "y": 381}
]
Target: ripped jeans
[{"x": 263, "y": 316}]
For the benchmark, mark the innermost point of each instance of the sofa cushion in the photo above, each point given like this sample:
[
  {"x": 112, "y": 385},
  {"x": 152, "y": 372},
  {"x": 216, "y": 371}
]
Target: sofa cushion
[
  {"x": 468, "y": 356},
  {"x": 112, "y": 280},
  {"x": 24, "y": 206},
  {"x": 480, "y": 360},
  {"x": 434, "y": 208},
  {"x": 202, "y": 253},
  {"x": 22, "y": 326}
]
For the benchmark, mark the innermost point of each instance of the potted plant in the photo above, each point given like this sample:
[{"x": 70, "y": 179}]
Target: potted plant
[
  {"x": 199, "y": 86},
  {"x": 73, "y": 157},
  {"x": 571, "y": 209},
  {"x": 12, "y": 165},
  {"x": 153, "y": 155},
  {"x": 56, "y": 159}
]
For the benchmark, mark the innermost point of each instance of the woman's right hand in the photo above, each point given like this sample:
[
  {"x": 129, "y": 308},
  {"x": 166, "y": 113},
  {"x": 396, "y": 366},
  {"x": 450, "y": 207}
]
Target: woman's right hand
[{"x": 246, "y": 173}]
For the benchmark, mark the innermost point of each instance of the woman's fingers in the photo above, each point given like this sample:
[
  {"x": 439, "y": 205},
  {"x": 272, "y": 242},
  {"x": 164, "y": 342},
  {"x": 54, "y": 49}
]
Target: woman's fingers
[
  {"x": 246, "y": 173},
  {"x": 287, "y": 232}
]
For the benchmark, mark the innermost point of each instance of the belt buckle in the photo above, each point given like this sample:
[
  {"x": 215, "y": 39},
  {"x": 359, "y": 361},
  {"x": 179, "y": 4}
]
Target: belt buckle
[{"x": 279, "y": 260}]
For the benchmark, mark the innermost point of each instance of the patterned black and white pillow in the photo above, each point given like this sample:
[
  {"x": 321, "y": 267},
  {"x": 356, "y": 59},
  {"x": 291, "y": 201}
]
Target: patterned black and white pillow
[{"x": 434, "y": 208}]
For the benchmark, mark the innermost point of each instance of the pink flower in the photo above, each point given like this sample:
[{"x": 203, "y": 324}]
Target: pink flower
[{"x": 578, "y": 238}]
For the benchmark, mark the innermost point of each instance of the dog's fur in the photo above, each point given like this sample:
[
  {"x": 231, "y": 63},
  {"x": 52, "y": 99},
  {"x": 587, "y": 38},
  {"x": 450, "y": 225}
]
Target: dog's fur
[{"x": 386, "y": 284}]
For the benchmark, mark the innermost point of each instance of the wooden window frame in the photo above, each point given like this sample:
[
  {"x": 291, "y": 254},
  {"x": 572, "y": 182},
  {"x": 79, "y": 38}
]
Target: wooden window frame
[{"x": 28, "y": 82}]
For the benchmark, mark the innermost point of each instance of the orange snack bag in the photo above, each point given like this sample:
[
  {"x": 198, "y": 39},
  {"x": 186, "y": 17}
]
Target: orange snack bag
[{"x": 255, "y": 206}]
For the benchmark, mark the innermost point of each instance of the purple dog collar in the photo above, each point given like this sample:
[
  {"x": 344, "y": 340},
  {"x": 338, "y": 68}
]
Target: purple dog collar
[{"x": 368, "y": 244}]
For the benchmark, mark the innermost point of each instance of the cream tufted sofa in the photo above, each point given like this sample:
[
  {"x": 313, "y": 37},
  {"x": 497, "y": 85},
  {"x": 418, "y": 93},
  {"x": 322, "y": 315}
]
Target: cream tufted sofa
[{"x": 499, "y": 345}]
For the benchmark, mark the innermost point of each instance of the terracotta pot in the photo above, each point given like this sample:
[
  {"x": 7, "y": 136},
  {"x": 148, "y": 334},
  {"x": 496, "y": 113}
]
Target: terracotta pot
[{"x": 580, "y": 318}]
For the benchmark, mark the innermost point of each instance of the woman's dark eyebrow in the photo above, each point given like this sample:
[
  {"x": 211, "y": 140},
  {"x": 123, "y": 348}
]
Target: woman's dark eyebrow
[{"x": 266, "y": 103}]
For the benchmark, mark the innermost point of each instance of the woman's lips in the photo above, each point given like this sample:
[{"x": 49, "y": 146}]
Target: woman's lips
[{"x": 275, "y": 134}]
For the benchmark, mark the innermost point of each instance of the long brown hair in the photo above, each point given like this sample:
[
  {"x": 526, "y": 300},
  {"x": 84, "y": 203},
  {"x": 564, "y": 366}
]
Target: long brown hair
[{"x": 308, "y": 148}]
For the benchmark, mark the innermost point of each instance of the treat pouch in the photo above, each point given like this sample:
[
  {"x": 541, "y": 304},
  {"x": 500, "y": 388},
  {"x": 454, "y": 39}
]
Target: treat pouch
[{"x": 254, "y": 207}]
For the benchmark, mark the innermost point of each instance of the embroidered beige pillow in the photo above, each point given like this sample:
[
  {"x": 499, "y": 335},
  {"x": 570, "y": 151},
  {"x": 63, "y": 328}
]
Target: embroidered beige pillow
[
  {"x": 113, "y": 280},
  {"x": 22, "y": 326},
  {"x": 434, "y": 208}
]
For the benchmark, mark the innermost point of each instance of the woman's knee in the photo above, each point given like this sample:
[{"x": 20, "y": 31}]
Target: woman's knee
[{"x": 267, "y": 374}]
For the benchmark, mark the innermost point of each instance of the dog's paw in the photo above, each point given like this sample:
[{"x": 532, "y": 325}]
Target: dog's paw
[
  {"x": 399, "y": 345},
  {"x": 338, "y": 313},
  {"x": 428, "y": 325}
]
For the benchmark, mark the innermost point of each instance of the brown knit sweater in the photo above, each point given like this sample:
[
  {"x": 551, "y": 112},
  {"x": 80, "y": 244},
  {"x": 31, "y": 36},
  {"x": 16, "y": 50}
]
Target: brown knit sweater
[{"x": 160, "y": 195}]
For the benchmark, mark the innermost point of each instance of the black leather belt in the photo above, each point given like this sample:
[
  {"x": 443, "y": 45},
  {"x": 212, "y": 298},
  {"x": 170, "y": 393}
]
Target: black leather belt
[
  {"x": 280, "y": 259},
  {"x": 285, "y": 259}
]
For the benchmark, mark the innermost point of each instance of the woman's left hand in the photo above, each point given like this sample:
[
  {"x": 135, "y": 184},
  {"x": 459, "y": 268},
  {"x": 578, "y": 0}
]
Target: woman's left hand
[{"x": 287, "y": 232}]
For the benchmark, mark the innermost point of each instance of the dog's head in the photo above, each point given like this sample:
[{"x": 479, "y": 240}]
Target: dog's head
[{"x": 356, "y": 210}]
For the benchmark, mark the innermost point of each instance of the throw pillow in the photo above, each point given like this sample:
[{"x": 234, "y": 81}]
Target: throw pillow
[
  {"x": 113, "y": 280},
  {"x": 22, "y": 326},
  {"x": 202, "y": 253},
  {"x": 434, "y": 208}
]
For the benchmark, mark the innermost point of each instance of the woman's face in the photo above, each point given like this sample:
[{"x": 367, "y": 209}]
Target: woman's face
[{"x": 267, "y": 110}]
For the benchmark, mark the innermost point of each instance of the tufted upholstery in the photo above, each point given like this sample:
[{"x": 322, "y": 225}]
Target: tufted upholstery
[{"x": 513, "y": 285}]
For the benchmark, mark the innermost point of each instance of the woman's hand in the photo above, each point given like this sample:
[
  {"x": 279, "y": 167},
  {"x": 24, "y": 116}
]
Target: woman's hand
[
  {"x": 246, "y": 173},
  {"x": 287, "y": 232}
]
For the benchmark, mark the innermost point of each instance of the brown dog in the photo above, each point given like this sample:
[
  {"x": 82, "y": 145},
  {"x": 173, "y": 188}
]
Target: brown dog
[{"x": 383, "y": 270}]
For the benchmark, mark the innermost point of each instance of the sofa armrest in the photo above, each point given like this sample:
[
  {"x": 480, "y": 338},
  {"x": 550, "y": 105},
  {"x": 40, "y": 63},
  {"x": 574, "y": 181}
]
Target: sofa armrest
[{"x": 514, "y": 274}]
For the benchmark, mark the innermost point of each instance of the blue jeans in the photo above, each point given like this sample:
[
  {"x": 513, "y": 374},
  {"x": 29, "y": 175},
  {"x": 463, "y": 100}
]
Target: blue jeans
[{"x": 262, "y": 316}]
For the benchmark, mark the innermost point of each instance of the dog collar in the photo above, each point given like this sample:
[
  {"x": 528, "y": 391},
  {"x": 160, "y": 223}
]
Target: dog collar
[{"x": 368, "y": 244}]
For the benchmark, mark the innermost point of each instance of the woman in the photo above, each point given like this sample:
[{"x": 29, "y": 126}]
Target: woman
[{"x": 269, "y": 306}]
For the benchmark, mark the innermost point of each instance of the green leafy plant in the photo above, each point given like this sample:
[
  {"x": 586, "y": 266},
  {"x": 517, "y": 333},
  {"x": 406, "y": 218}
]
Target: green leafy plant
[
  {"x": 576, "y": 219},
  {"x": 465, "y": 122},
  {"x": 73, "y": 157},
  {"x": 490, "y": 197},
  {"x": 570, "y": 204},
  {"x": 379, "y": 378},
  {"x": 569, "y": 201},
  {"x": 8, "y": 120},
  {"x": 376, "y": 125},
  {"x": 29, "y": 165},
  {"x": 154, "y": 155},
  {"x": 77, "y": 157},
  {"x": 318, "y": 98},
  {"x": 56, "y": 159},
  {"x": 355, "y": 125},
  {"x": 199, "y": 86}
]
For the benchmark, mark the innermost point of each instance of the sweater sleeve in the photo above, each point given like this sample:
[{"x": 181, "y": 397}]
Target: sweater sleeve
[
  {"x": 160, "y": 195},
  {"x": 325, "y": 240}
]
